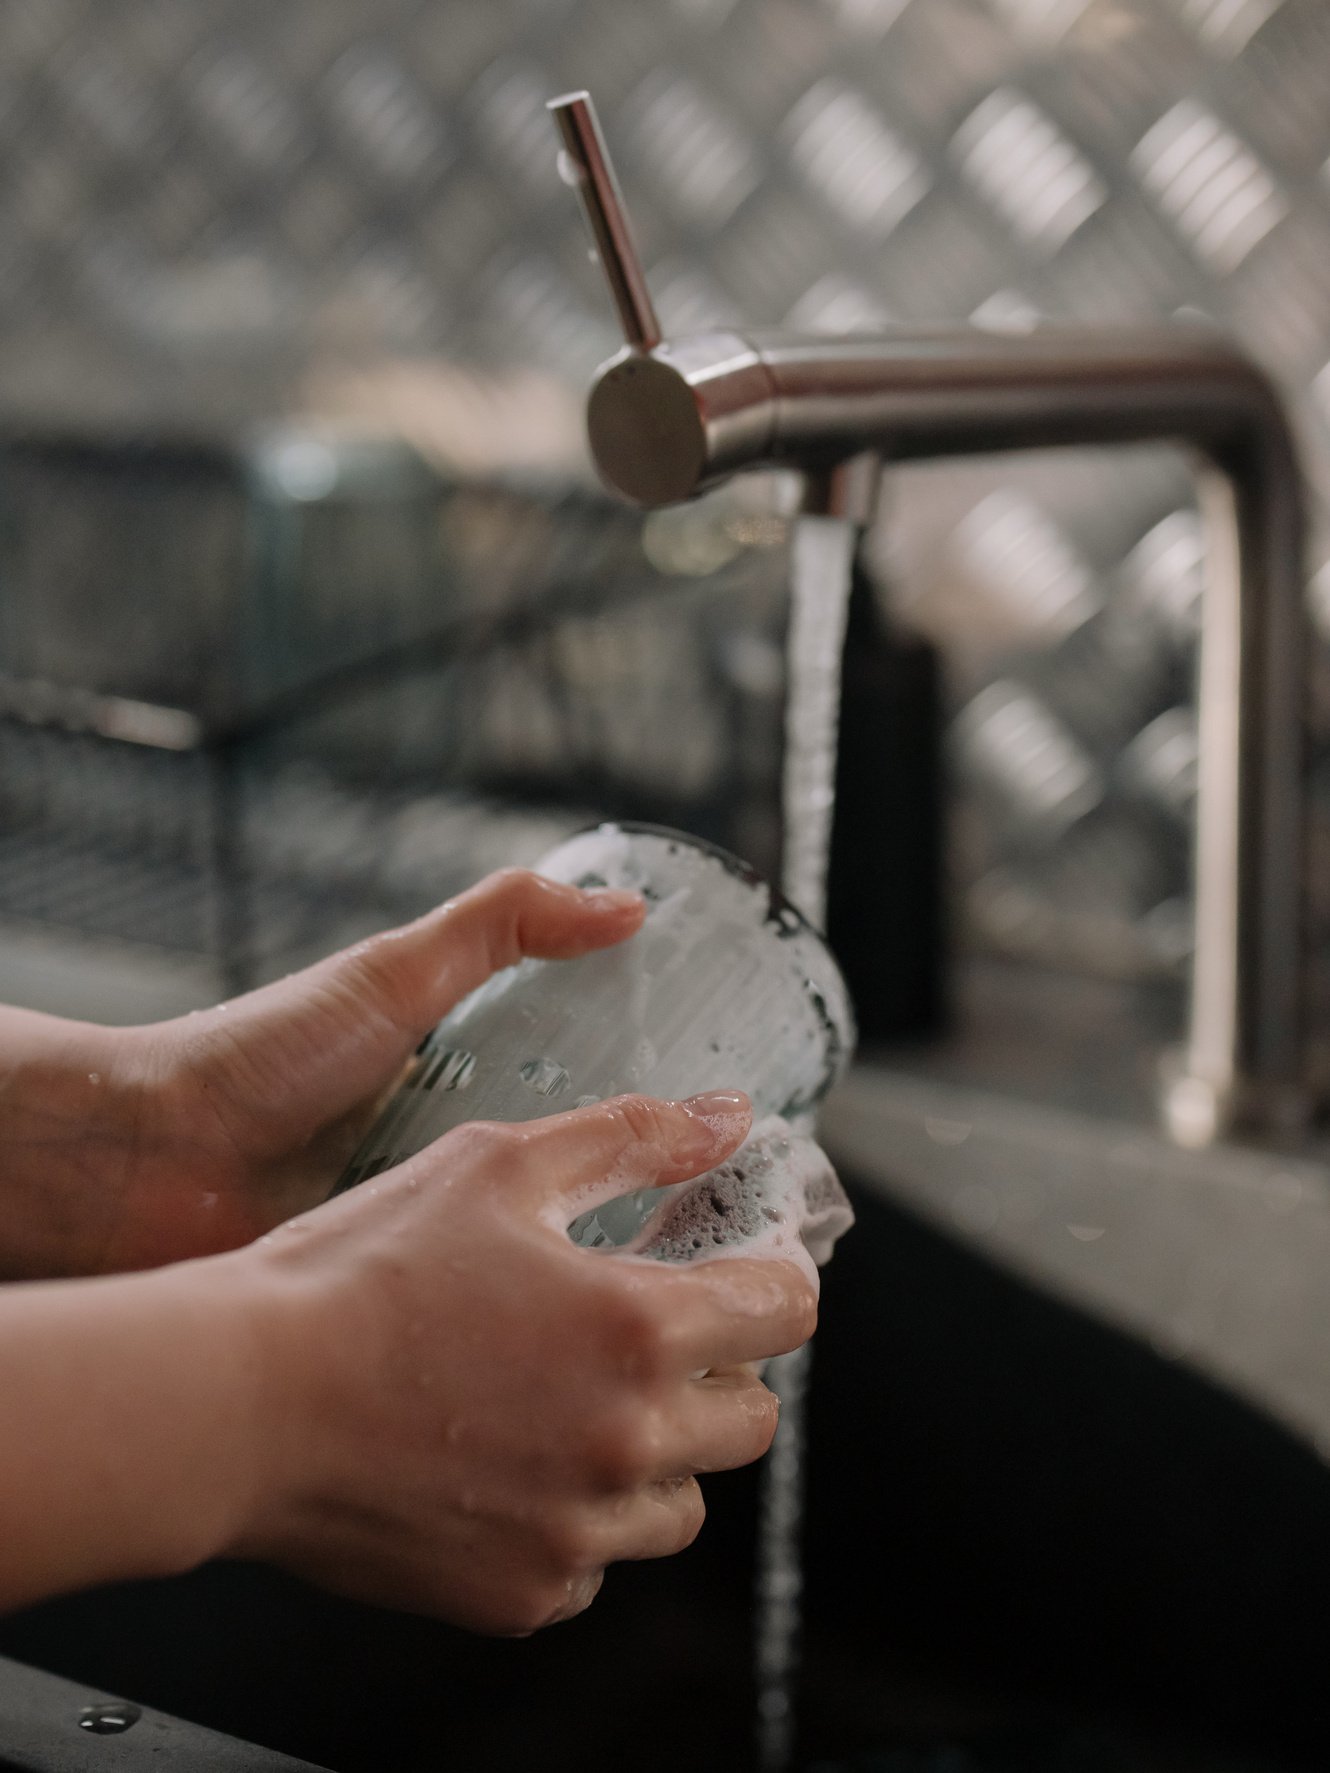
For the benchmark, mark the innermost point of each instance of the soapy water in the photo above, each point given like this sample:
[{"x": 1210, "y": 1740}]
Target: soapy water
[{"x": 776, "y": 1196}]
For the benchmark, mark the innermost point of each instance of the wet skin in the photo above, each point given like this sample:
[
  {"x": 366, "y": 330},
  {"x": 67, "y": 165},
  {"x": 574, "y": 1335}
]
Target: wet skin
[{"x": 420, "y": 1393}]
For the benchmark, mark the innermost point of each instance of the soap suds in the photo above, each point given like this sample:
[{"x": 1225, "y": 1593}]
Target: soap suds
[{"x": 776, "y": 1196}]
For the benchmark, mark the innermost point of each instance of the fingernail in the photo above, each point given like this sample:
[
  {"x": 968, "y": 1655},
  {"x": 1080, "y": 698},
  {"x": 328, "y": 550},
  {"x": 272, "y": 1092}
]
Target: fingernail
[
  {"x": 611, "y": 899},
  {"x": 722, "y": 1111}
]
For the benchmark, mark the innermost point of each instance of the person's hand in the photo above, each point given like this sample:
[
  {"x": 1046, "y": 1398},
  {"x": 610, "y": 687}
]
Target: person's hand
[
  {"x": 128, "y": 1148},
  {"x": 466, "y": 1415},
  {"x": 421, "y": 1394}
]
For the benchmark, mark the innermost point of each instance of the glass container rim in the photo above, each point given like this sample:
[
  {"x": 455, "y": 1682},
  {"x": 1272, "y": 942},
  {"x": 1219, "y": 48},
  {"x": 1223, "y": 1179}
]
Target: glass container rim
[{"x": 780, "y": 905}]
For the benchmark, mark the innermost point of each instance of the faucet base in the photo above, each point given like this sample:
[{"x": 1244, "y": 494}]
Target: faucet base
[{"x": 1198, "y": 1111}]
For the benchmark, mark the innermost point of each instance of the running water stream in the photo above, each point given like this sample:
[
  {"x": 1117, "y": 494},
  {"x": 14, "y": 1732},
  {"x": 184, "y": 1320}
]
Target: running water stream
[{"x": 822, "y": 558}]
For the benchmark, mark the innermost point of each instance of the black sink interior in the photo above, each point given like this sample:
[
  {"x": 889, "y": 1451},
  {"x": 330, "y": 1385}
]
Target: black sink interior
[{"x": 1033, "y": 1543}]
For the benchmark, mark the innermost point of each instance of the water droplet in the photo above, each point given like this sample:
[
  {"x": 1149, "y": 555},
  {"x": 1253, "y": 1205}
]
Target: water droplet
[
  {"x": 569, "y": 171},
  {"x": 545, "y": 1076},
  {"x": 947, "y": 1132},
  {"x": 1086, "y": 1234},
  {"x": 112, "y": 1718},
  {"x": 94, "y": 1077},
  {"x": 209, "y": 1201}
]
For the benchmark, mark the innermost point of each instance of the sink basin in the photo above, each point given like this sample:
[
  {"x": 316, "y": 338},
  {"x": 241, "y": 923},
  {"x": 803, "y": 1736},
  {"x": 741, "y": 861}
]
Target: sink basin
[
  {"x": 1071, "y": 1411},
  {"x": 1032, "y": 1138},
  {"x": 1066, "y": 1503}
]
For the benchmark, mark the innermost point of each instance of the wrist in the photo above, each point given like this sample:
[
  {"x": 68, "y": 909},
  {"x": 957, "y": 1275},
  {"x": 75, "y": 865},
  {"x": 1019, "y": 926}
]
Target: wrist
[
  {"x": 145, "y": 1426},
  {"x": 221, "y": 1419},
  {"x": 279, "y": 1377}
]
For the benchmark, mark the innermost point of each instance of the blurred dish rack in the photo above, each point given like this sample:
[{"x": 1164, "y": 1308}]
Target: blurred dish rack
[
  {"x": 260, "y": 697},
  {"x": 203, "y": 208}
]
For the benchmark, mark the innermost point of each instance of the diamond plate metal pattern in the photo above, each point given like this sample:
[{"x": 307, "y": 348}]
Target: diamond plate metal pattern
[{"x": 199, "y": 203}]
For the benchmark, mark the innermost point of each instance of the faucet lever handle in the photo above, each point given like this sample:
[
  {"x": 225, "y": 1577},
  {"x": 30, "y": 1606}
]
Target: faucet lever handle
[{"x": 586, "y": 166}]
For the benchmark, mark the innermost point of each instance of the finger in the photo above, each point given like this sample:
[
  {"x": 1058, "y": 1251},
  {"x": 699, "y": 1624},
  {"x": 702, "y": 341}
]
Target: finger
[
  {"x": 582, "y": 1590},
  {"x": 315, "y": 1045},
  {"x": 654, "y": 1522},
  {"x": 726, "y": 1420},
  {"x": 414, "y": 975},
  {"x": 588, "y": 1155},
  {"x": 729, "y": 1311}
]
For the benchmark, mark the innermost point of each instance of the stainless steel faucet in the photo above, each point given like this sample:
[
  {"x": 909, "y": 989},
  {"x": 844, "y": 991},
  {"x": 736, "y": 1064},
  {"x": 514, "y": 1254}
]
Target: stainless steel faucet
[{"x": 668, "y": 418}]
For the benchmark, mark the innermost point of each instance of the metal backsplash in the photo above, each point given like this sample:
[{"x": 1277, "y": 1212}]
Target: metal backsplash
[{"x": 209, "y": 210}]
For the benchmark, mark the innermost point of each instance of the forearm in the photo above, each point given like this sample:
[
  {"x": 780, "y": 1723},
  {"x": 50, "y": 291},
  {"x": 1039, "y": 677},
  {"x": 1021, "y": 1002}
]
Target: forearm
[{"x": 133, "y": 1443}]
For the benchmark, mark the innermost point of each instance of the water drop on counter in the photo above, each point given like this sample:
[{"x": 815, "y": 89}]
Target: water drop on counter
[
  {"x": 112, "y": 1718},
  {"x": 946, "y": 1132}
]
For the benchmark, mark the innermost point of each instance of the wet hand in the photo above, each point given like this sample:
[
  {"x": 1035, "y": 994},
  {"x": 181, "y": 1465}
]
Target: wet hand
[
  {"x": 467, "y": 1415},
  {"x": 129, "y": 1148}
]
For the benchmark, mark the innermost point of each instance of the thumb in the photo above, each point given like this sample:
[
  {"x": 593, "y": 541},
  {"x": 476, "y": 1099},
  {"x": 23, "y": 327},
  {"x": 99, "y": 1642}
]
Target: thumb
[
  {"x": 311, "y": 1047},
  {"x": 415, "y": 974}
]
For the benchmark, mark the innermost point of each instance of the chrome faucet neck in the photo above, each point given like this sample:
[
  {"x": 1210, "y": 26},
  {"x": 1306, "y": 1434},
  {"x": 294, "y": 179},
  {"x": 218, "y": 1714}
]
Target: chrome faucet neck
[{"x": 667, "y": 418}]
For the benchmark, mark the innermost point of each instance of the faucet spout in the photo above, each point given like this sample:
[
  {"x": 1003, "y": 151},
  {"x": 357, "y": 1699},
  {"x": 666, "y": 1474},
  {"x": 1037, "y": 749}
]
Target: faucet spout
[{"x": 668, "y": 418}]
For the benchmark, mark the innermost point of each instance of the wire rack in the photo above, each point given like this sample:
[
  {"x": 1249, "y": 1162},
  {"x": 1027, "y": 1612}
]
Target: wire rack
[{"x": 355, "y": 701}]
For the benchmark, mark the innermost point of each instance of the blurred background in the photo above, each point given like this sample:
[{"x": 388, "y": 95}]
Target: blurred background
[
  {"x": 295, "y": 322},
  {"x": 310, "y": 612}
]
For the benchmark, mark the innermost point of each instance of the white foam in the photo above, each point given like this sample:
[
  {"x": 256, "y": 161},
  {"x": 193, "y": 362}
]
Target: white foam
[{"x": 776, "y": 1196}]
